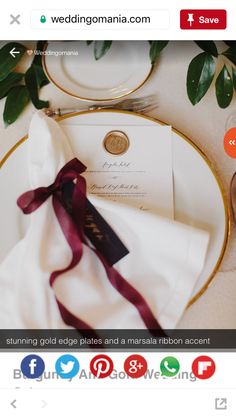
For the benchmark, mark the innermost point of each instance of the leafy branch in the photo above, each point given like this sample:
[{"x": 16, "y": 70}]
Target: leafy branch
[
  {"x": 20, "y": 88},
  {"x": 202, "y": 71}
]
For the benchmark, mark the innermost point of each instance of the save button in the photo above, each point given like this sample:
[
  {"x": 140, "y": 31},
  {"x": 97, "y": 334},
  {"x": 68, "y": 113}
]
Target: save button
[{"x": 203, "y": 19}]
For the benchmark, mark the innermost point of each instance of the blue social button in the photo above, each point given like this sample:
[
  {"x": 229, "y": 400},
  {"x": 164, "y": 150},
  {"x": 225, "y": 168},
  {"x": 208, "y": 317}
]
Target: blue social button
[
  {"x": 32, "y": 366},
  {"x": 67, "y": 366}
]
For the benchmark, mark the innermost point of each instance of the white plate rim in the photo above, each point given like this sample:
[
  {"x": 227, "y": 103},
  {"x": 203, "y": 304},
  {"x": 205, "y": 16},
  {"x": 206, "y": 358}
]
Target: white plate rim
[{"x": 90, "y": 99}]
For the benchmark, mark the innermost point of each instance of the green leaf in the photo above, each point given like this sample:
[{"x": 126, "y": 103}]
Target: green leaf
[
  {"x": 208, "y": 46},
  {"x": 230, "y": 53},
  {"x": 40, "y": 46},
  {"x": 42, "y": 79},
  {"x": 7, "y": 62},
  {"x": 11, "y": 80},
  {"x": 32, "y": 86},
  {"x": 101, "y": 48},
  {"x": 224, "y": 88},
  {"x": 234, "y": 77},
  {"x": 200, "y": 75},
  {"x": 155, "y": 49},
  {"x": 16, "y": 101},
  {"x": 230, "y": 43}
]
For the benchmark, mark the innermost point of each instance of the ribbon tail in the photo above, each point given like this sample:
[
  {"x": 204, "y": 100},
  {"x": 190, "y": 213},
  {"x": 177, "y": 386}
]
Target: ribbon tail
[
  {"x": 133, "y": 296},
  {"x": 83, "y": 328},
  {"x": 74, "y": 241},
  {"x": 70, "y": 233}
]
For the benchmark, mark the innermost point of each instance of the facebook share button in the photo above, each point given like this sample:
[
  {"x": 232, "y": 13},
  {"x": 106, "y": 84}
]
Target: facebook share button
[{"x": 32, "y": 366}]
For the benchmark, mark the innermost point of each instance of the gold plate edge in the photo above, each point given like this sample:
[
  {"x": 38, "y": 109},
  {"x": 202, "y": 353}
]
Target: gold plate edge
[
  {"x": 202, "y": 154},
  {"x": 85, "y": 99}
]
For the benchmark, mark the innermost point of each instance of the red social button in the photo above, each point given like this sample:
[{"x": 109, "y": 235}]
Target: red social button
[
  {"x": 203, "y": 367},
  {"x": 135, "y": 366},
  {"x": 101, "y": 366},
  {"x": 203, "y": 19}
]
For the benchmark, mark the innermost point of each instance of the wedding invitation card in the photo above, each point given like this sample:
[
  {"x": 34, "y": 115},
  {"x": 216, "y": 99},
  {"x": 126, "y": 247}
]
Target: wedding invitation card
[{"x": 128, "y": 164}]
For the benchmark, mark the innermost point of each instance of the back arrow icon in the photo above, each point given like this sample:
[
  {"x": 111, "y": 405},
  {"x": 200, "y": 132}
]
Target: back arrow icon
[
  {"x": 13, "y": 52},
  {"x": 13, "y": 404}
]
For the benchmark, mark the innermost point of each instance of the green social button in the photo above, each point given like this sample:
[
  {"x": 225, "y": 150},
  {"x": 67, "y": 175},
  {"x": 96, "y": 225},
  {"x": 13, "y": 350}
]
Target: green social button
[{"x": 169, "y": 366}]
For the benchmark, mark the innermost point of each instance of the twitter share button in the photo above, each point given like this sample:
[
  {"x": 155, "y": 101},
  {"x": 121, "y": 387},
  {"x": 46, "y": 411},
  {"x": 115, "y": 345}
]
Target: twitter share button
[{"x": 67, "y": 366}]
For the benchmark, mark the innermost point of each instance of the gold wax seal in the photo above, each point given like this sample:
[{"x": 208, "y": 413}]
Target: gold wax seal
[{"x": 116, "y": 142}]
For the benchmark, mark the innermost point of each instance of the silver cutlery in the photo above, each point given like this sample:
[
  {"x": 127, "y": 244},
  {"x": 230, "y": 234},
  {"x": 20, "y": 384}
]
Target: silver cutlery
[
  {"x": 233, "y": 195},
  {"x": 142, "y": 104}
]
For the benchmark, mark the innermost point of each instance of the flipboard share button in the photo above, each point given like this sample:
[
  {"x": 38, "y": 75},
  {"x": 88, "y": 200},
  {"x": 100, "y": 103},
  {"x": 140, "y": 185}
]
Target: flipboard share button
[{"x": 203, "y": 19}]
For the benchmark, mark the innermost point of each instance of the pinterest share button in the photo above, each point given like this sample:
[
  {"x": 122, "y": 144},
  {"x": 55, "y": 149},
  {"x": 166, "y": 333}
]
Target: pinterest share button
[
  {"x": 101, "y": 366},
  {"x": 203, "y": 19}
]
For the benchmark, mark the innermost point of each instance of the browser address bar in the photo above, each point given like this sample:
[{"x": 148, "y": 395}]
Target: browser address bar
[{"x": 100, "y": 19}]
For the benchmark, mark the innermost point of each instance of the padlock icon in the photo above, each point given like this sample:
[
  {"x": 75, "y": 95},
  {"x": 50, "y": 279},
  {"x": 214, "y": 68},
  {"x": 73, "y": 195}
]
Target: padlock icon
[{"x": 43, "y": 19}]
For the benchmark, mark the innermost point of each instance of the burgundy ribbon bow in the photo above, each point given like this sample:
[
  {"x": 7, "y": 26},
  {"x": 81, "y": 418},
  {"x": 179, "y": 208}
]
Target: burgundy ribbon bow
[{"x": 72, "y": 224}]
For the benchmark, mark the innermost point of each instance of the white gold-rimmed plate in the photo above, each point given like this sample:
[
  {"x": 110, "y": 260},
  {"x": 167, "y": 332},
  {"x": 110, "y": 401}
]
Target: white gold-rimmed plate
[
  {"x": 121, "y": 71},
  {"x": 198, "y": 196}
]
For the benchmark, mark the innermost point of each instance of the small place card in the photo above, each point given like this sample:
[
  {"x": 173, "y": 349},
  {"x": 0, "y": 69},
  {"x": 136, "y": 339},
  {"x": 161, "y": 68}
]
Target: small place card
[{"x": 128, "y": 164}]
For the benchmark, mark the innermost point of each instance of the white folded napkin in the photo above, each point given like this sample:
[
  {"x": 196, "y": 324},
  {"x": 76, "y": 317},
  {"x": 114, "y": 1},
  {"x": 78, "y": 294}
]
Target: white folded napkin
[{"x": 164, "y": 263}]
